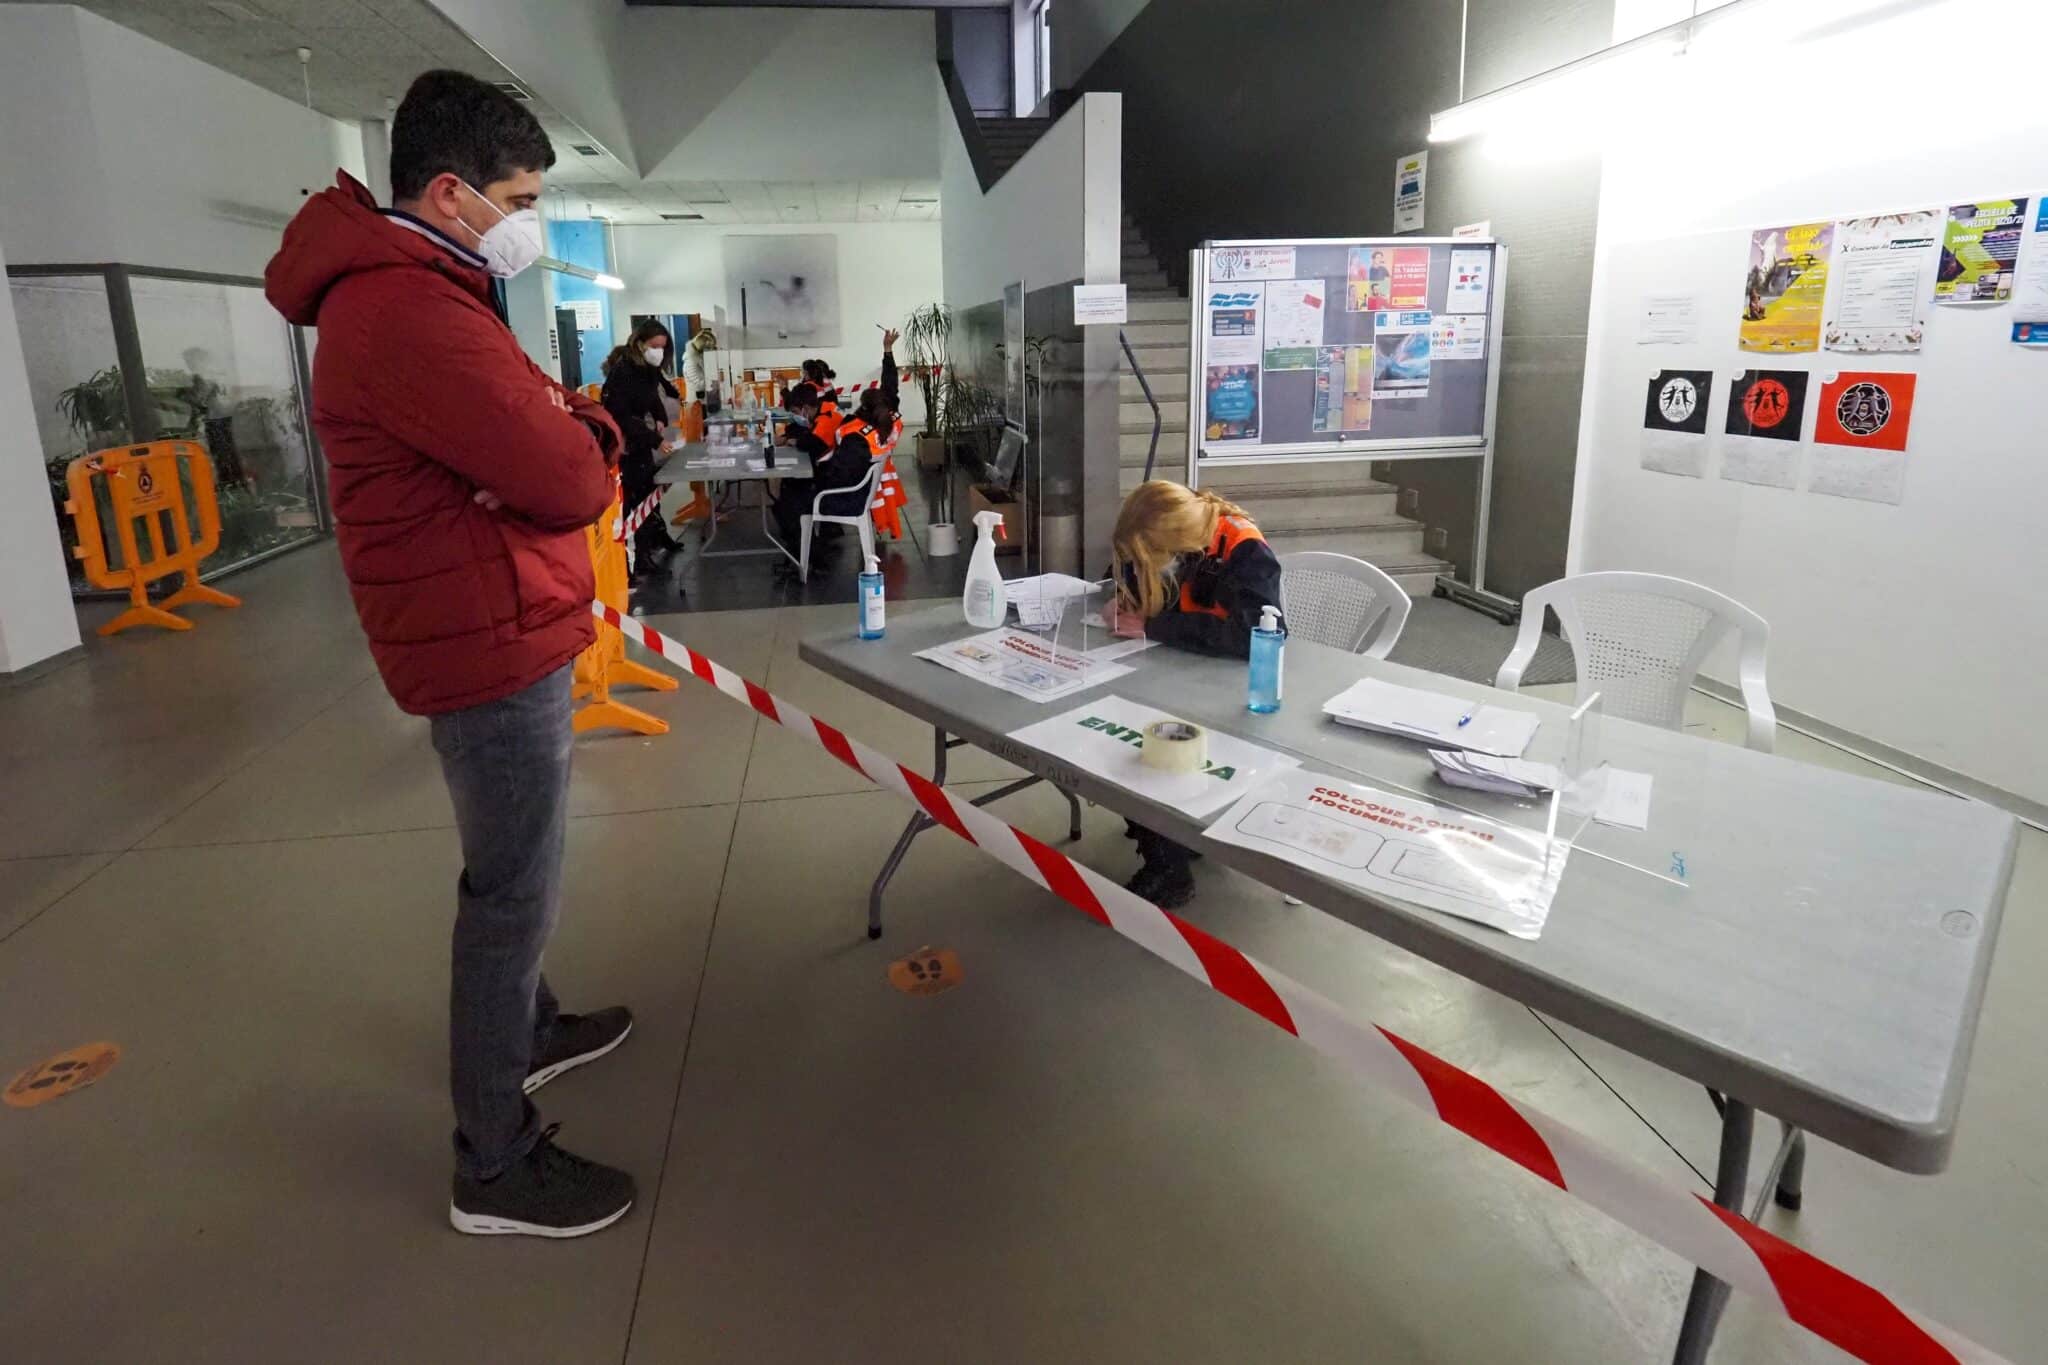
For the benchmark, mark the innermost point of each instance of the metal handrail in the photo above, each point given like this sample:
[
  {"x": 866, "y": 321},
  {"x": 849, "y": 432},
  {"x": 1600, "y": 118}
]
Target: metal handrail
[{"x": 1139, "y": 371}]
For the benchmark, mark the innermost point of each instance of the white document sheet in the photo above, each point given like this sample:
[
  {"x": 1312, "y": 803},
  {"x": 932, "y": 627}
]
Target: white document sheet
[
  {"x": 1758, "y": 460},
  {"x": 1038, "y": 599},
  {"x": 1402, "y": 848},
  {"x": 1668, "y": 320},
  {"x": 1446, "y": 721},
  {"x": 1502, "y": 776},
  {"x": 1024, "y": 664},
  {"x": 1624, "y": 798},
  {"x": 1674, "y": 452},
  {"x": 1106, "y": 737}
]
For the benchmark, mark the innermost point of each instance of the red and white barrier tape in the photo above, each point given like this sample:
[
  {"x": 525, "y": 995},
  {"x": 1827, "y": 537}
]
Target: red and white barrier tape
[
  {"x": 1828, "y": 1302},
  {"x": 629, "y": 522}
]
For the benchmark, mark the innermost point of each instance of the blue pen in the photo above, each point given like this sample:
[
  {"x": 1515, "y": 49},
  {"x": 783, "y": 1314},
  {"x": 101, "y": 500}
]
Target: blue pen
[{"x": 1464, "y": 720}]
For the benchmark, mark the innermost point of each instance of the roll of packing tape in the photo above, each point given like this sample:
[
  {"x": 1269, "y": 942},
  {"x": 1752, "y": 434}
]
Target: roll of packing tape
[{"x": 1175, "y": 746}]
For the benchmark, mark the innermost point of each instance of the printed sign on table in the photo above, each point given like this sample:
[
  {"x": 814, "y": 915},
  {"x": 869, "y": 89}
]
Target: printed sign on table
[
  {"x": 1787, "y": 282},
  {"x": 1107, "y": 737},
  {"x": 1860, "y": 435},
  {"x": 1403, "y": 848},
  {"x": 1026, "y": 665},
  {"x": 1675, "y": 422}
]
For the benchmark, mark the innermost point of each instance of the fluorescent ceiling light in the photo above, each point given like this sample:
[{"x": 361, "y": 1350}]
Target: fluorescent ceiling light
[
  {"x": 1595, "y": 87},
  {"x": 581, "y": 272}
]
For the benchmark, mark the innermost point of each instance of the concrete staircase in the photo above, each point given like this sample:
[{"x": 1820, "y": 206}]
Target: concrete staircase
[
  {"x": 1336, "y": 507},
  {"x": 1007, "y": 139}
]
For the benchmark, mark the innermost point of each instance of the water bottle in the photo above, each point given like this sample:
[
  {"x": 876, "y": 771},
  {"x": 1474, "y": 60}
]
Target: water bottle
[
  {"x": 871, "y": 601},
  {"x": 1269, "y": 662}
]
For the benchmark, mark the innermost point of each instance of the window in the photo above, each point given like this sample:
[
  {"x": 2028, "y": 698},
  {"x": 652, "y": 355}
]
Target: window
[{"x": 1041, "y": 50}]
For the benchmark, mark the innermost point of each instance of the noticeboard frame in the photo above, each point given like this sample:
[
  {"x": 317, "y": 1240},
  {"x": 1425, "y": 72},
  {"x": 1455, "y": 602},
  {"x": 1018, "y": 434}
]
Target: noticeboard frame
[{"x": 1201, "y": 454}]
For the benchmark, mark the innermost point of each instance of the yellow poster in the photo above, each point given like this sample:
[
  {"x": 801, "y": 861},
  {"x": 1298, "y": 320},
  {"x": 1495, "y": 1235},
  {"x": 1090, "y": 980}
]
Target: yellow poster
[{"x": 1788, "y": 280}]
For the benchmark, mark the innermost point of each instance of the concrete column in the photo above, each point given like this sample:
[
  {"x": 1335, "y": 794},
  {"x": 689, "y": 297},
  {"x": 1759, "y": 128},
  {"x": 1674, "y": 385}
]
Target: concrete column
[
  {"x": 377, "y": 158},
  {"x": 36, "y": 616}
]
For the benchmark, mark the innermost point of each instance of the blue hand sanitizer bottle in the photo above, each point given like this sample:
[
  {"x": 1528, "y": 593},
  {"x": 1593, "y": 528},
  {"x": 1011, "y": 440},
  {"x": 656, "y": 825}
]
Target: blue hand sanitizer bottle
[
  {"x": 1269, "y": 662},
  {"x": 871, "y": 601}
]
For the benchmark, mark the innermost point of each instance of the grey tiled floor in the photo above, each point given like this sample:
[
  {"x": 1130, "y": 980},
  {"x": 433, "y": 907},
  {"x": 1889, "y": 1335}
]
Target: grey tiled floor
[{"x": 229, "y": 853}]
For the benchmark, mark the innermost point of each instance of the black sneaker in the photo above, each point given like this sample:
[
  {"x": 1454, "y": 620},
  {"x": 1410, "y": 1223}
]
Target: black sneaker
[
  {"x": 1167, "y": 885},
  {"x": 548, "y": 1193},
  {"x": 579, "y": 1038}
]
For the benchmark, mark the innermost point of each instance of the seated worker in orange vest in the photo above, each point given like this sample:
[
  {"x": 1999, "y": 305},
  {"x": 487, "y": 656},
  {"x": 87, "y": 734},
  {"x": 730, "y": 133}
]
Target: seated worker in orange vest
[
  {"x": 800, "y": 433},
  {"x": 819, "y": 376},
  {"x": 1192, "y": 571},
  {"x": 864, "y": 438}
]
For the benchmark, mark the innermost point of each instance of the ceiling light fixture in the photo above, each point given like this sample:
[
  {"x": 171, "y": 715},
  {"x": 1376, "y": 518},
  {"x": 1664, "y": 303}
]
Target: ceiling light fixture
[
  {"x": 1597, "y": 86},
  {"x": 581, "y": 272}
]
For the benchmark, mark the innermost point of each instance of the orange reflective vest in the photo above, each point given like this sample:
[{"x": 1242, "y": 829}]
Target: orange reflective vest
[
  {"x": 856, "y": 426},
  {"x": 1231, "y": 532},
  {"x": 826, "y": 424}
]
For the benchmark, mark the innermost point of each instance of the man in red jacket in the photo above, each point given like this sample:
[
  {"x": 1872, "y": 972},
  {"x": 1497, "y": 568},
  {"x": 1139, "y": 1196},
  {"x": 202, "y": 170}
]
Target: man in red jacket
[{"x": 462, "y": 479}]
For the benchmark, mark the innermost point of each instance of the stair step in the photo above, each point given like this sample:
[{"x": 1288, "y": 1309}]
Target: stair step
[
  {"x": 1159, "y": 310},
  {"x": 1386, "y": 548},
  {"x": 1304, "y": 510},
  {"x": 1143, "y": 333},
  {"x": 1150, "y": 281},
  {"x": 1166, "y": 383},
  {"x": 1159, "y": 360},
  {"x": 1137, "y": 416}
]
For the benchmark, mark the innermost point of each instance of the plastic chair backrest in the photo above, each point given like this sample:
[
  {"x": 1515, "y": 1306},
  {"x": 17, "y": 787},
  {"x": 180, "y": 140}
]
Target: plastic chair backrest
[
  {"x": 1639, "y": 640},
  {"x": 866, "y": 488},
  {"x": 1342, "y": 602}
]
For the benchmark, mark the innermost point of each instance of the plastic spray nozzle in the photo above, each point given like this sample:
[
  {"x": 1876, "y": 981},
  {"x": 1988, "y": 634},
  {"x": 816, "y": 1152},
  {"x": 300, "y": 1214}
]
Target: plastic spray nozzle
[
  {"x": 873, "y": 566},
  {"x": 992, "y": 521}
]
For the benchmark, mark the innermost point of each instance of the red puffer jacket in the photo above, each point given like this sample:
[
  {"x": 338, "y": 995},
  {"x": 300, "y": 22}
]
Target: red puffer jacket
[{"x": 422, "y": 397}]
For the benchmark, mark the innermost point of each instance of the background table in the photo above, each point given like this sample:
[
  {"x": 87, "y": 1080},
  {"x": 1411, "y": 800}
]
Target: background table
[
  {"x": 1810, "y": 943},
  {"x": 696, "y": 462}
]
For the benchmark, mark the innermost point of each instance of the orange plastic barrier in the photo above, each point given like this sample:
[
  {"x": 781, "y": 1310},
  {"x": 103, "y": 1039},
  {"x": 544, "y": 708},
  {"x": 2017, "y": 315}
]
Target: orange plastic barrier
[
  {"x": 143, "y": 483},
  {"x": 604, "y": 665}
]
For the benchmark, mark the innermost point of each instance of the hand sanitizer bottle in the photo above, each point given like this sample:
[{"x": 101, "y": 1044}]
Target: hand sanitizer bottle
[
  {"x": 985, "y": 600},
  {"x": 1269, "y": 661},
  {"x": 871, "y": 601}
]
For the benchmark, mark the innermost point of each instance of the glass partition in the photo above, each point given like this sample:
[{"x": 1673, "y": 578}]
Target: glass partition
[
  {"x": 213, "y": 363},
  {"x": 74, "y": 376}
]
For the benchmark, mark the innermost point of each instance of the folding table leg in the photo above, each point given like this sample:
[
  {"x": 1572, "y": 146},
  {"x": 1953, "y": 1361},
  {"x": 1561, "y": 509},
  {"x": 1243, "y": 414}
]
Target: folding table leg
[
  {"x": 1709, "y": 1296},
  {"x": 918, "y": 824}
]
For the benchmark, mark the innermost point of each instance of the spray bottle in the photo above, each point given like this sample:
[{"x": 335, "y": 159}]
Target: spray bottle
[
  {"x": 985, "y": 601},
  {"x": 871, "y": 601}
]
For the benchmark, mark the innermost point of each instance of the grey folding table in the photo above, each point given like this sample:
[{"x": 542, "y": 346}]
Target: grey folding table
[
  {"x": 1803, "y": 942},
  {"x": 697, "y": 462}
]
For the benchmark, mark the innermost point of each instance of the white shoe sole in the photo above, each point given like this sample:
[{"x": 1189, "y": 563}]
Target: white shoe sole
[
  {"x": 484, "y": 1225},
  {"x": 548, "y": 1073}
]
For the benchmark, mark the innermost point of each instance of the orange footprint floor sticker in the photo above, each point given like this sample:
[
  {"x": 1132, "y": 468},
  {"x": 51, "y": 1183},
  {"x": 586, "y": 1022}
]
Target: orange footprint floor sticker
[
  {"x": 60, "y": 1075},
  {"x": 927, "y": 971}
]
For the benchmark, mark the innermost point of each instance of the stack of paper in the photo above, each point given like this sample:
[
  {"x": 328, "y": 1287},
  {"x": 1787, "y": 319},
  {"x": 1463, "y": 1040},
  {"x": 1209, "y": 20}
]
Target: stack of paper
[
  {"x": 1039, "y": 599},
  {"x": 1502, "y": 776},
  {"x": 1449, "y": 721}
]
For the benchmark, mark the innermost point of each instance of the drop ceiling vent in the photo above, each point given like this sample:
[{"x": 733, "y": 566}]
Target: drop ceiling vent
[
  {"x": 585, "y": 149},
  {"x": 513, "y": 89},
  {"x": 682, "y": 217}
]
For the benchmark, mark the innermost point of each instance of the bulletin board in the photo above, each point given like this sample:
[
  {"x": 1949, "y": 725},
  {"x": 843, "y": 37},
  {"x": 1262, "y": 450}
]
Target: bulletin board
[{"x": 1344, "y": 348}]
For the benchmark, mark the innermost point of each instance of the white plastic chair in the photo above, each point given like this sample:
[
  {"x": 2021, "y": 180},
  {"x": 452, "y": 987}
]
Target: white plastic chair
[
  {"x": 864, "y": 523},
  {"x": 1639, "y": 640},
  {"x": 1342, "y": 602}
]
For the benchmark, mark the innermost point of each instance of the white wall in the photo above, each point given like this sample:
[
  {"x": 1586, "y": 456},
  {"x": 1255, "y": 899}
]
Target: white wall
[
  {"x": 36, "y": 618},
  {"x": 1921, "y": 626},
  {"x": 566, "y": 51},
  {"x": 1055, "y": 215},
  {"x": 121, "y": 149},
  {"x": 885, "y": 271}
]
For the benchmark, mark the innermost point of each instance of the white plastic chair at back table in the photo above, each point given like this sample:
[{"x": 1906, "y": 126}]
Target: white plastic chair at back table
[
  {"x": 1639, "y": 640},
  {"x": 1345, "y": 603},
  {"x": 864, "y": 523}
]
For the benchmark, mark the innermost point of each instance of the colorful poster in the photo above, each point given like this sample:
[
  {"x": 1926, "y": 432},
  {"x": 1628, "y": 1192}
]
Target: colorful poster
[
  {"x": 1471, "y": 274},
  {"x": 1400, "y": 354},
  {"x": 1675, "y": 422},
  {"x": 1766, "y": 416},
  {"x": 1343, "y": 395},
  {"x": 2030, "y": 282},
  {"x": 1884, "y": 274},
  {"x": 1387, "y": 277},
  {"x": 1233, "y": 324},
  {"x": 1409, "y": 174},
  {"x": 1860, "y": 435},
  {"x": 1978, "y": 251},
  {"x": 1788, "y": 280},
  {"x": 1251, "y": 263},
  {"x": 1458, "y": 336},
  {"x": 1230, "y": 403},
  {"x": 1294, "y": 323}
]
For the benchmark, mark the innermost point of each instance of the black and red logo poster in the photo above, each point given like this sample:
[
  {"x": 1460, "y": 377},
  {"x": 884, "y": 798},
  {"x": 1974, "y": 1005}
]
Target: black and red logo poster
[
  {"x": 1869, "y": 409},
  {"x": 1678, "y": 401},
  {"x": 1767, "y": 403}
]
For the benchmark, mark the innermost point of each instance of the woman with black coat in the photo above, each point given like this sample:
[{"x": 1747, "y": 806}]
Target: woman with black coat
[{"x": 634, "y": 388}]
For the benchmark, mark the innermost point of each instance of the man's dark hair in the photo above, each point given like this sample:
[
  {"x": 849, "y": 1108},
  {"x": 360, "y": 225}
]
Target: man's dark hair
[
  {"x": 452, "y": 122},
  {"x": 799, "y": 396}
]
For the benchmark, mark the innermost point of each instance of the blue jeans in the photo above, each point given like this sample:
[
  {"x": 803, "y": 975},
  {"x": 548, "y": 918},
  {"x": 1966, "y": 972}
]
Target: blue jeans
[{"x": 507, "y": 767}]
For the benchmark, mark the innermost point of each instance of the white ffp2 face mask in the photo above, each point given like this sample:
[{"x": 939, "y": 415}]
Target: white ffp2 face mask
[
  {"x": 512, "y": 243},
  {"x": 655, "y": 355}
]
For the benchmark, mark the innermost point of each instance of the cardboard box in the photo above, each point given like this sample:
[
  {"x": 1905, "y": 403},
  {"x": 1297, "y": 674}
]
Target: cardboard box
[{"x": 1016, "y": 518}]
